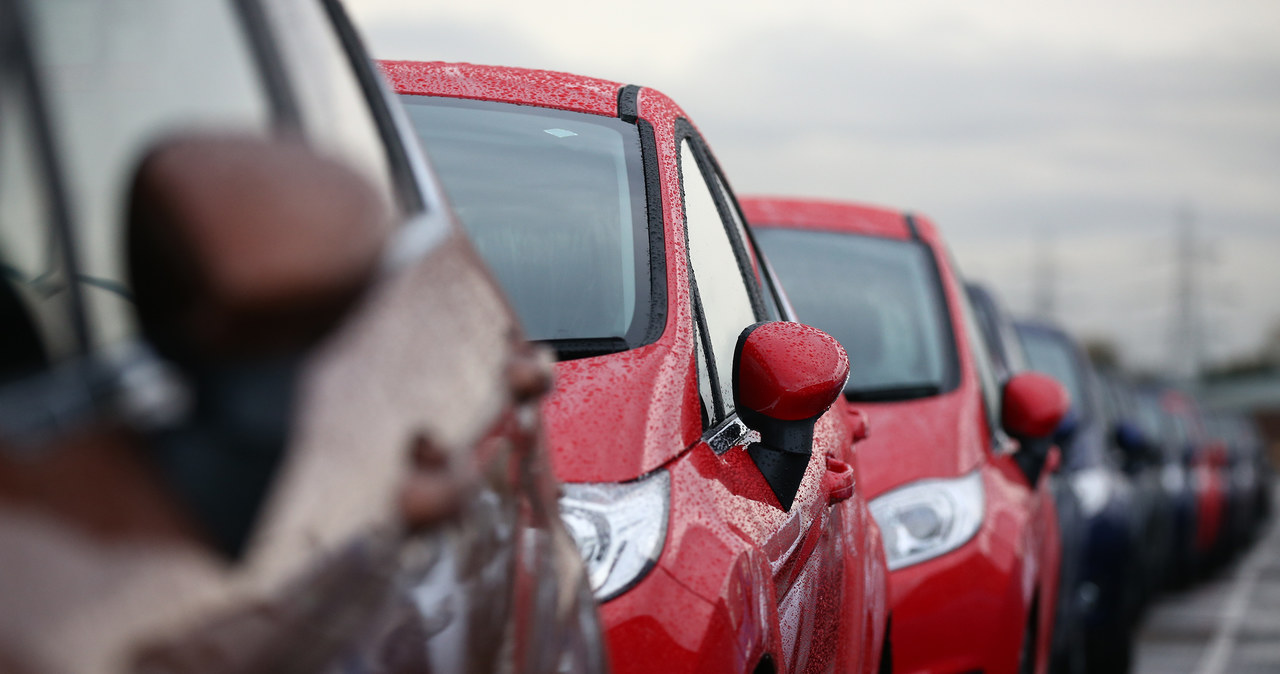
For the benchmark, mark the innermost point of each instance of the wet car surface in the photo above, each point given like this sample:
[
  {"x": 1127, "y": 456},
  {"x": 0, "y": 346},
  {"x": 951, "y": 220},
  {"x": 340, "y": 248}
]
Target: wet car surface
[{"x": 763, "y": 560}]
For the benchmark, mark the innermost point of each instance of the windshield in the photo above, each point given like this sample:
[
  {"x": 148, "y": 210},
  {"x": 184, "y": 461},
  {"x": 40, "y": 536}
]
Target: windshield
[
  {"x": 1052, "y": 356},
  {"x": 554, "y": 203},
  {"x": 880, "y": 297}
]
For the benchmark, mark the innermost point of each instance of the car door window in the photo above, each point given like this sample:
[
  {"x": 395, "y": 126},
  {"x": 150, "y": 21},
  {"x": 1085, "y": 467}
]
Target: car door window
[
  {"x": 724, "y": 296},
  {"x": 34, "y": 298},
  {"x": 992, "y": 394},
  {"x": 112, "y": 95}
]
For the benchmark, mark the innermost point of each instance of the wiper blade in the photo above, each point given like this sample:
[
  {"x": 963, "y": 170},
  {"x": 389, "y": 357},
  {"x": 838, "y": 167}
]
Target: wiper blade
[
  {"x": 571, "y": 349},
  {"x": 891, "y": 393}
]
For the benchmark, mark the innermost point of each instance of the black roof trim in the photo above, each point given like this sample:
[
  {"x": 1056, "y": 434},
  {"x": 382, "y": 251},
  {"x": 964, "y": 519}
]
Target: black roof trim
[
  {"x": 628, "y": 103},
  {"x": 910, "y": 219}
]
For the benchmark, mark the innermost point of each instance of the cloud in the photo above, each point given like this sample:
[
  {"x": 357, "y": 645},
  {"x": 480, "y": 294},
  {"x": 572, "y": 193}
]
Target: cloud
[{"x": 1001, "y": 120}]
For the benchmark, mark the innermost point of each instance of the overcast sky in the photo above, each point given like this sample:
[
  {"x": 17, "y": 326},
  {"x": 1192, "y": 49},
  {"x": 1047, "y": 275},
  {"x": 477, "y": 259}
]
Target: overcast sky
[{"x": 1025, "y": 130}]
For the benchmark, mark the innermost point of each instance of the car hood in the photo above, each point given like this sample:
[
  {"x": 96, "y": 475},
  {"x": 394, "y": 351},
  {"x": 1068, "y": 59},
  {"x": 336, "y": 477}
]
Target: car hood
[
  {"x": 614, "y": 418},
  {"x": 940, "y": 436}
]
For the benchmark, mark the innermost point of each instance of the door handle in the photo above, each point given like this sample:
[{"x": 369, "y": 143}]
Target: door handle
[{"x": 838, "y": 480}]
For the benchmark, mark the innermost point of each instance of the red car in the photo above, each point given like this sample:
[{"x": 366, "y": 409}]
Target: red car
[
  {"x": 970, "y": 530},
  {"x": 709, "y": 484},
  {"x": 1206, "y": 458}
]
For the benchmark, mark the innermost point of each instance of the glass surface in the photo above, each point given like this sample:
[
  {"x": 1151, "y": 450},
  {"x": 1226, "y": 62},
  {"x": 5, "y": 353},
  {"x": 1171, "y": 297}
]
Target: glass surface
[
  {"x": 554, "y": 203},
  {"x": 1051, "y": 356},
  {"x": 879, "y": 297},
  {"x": 726, "y": 302},
  {"x": 35, "y": 309},
  {"x": 118, "y": 77}
]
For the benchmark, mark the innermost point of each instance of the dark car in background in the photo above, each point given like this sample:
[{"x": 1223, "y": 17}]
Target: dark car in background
[
  {"x": 262, "y": 407},
  {"x": 1109, "y": 594},
  {"x": 1140, "y": 456},
  {"x": 1179, "y": 496},
  {"x": 1205, "y": 460}
]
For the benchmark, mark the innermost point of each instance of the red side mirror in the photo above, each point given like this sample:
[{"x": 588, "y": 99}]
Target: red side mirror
[
  {"x": 1033, "y": 406},
  {"x": 788, "y": 371},
  {"x": 785, "y": 375}
]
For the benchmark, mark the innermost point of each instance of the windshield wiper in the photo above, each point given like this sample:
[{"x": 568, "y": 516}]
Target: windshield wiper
[
  {"x": 890, "y": 393},
  {"x": 570, "y": 349}
]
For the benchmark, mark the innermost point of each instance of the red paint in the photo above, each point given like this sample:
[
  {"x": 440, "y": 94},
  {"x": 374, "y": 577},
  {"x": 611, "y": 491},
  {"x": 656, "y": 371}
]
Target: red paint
[
  {"x": 839, "y": 479},
  {"x": 967, "y": 609},
  {"x": 738, "y": 579},
  {"x": 790, "y": 371},
  {"x": 1033, "y": 405},
  {"x": 1207, "y": 476}
]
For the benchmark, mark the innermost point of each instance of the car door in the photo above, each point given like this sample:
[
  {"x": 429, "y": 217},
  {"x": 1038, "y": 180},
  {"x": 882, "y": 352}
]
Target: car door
[{"x": 801, "y": 546}]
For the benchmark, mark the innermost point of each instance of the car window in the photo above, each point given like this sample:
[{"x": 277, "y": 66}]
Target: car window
[
  {"x": 34, "y": 297},
  {"x": 981, "y": 349},
  {"x": 119, "y": 77},
  {"x": 1050, "y": 355},
  {"x": 554, "y": 202},
  {"x": 334, "y": 109},
  {"x": 880, "y": 297},
  {"x": 725, "y": 297}
]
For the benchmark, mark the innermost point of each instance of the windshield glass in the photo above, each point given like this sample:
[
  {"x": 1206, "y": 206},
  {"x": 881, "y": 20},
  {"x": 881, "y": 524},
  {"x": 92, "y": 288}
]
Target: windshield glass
[
  {"x": 879, "y": 297},
  {"x": 1053, "y": 357},
  {"x": 554, "y": 203}
]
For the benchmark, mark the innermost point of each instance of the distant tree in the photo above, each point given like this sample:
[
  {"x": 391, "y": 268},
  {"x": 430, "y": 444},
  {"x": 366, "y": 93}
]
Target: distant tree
[
  {"x": 1265, "y": 359},
  {"x": 1103, "y": 352}
]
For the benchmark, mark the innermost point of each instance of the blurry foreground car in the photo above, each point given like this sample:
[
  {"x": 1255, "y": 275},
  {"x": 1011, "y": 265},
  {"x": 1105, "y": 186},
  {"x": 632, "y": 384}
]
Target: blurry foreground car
[
  {"x": 262, "y": 409},
  {"x": 709, "y": 486},
  {"x": 970, "y": 534}
]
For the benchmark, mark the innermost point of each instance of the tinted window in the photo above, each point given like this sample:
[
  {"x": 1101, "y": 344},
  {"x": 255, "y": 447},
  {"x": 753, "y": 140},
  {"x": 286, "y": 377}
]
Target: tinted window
[
  {"x": 118, "y": 77},
  {"x": 726, "y": 301},
  {"x": 554, "y": 202},
  {"x": 1054, "y": 357},
  {"x": 879, "y": 297},
  {"x": 35, "y": 307}
]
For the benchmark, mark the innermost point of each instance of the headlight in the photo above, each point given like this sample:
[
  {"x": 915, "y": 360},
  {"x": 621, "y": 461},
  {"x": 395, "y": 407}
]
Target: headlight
[
  {"x": 619, "y": 529},
  {"x": 928, "y": 518},
  {"x": 1093, "y": 487}
]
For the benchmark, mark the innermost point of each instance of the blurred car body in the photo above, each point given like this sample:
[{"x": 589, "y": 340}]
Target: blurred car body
[
  {"x": 1140, "y": 457},
  {"x": 1176, "y": 483},
  {"x": 1206, "y": 458},
  {"x": 971, "y": 539},
  {"x": 1007, "y": 359},
  {"x": 1110, "y": 591},
  {"x": 608, "y": 221},
  {"x": 262, "y": 409}
]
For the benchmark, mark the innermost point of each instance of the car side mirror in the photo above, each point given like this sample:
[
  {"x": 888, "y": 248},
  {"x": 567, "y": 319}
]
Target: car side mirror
[
  {"x": 1033, "y": 408},
  {"x": 785, "y": 376},
  {"x": 1130, "y": 438},
  {"x": 242, "y": 248},
  {"x": 244, "y": 253},
  {"x": 1034, "y": 405}
]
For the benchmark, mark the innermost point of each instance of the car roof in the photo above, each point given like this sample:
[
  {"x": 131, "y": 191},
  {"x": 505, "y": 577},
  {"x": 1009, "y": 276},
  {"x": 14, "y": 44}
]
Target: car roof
[
  {"x": 837, "y": 216},
  {"x": 544, "y": 88}
]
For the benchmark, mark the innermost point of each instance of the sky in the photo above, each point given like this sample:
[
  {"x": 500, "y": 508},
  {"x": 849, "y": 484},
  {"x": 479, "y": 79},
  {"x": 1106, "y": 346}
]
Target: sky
[{"x": 1076, "y": 137}]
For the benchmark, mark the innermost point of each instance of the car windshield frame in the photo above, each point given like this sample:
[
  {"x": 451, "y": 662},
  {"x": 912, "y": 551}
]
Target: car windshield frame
[
  {"x": 939, "y": 311},
  {"x": 642, "y": 288}
]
